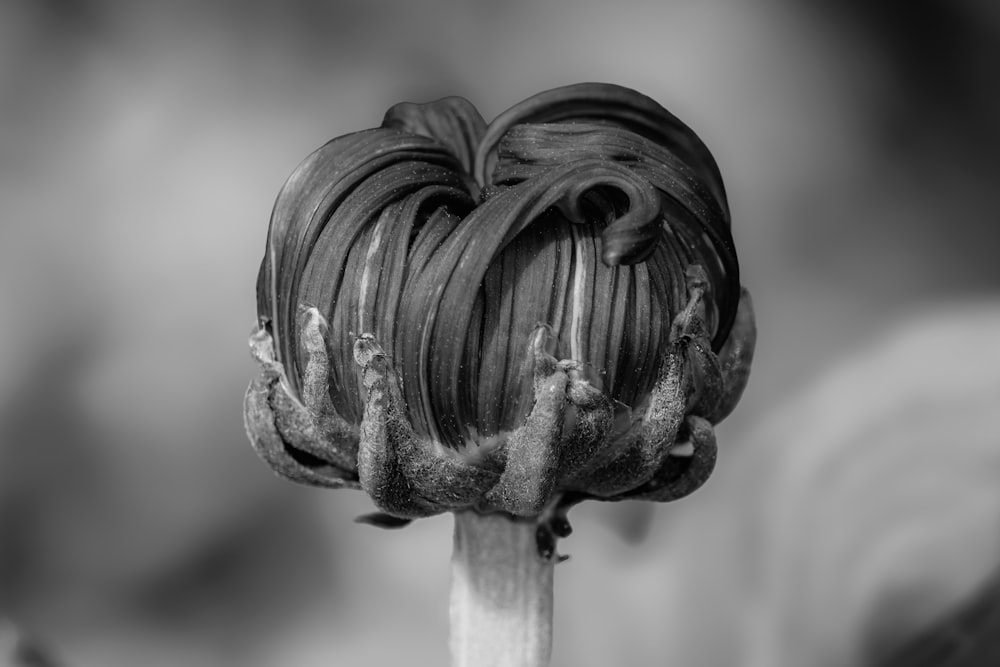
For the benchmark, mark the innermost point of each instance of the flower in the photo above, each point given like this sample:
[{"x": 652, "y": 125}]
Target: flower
[{"x": 504, "y": 318}]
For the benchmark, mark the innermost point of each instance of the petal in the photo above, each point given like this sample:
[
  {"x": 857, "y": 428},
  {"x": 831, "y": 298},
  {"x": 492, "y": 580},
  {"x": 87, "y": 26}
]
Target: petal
[
  {"x": 453, "y": 122},
  {"x": 610, "y": 105}
]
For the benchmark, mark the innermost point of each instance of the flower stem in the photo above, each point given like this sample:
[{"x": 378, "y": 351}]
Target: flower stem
[{"x": 501, "y": 593}]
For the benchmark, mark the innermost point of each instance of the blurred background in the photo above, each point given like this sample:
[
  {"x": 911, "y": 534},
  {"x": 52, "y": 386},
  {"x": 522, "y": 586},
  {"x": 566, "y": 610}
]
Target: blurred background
[{"x": 856, "y": 499}]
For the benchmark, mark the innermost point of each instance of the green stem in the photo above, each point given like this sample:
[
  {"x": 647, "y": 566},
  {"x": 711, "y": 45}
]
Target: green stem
[{"x": 501, "y": 593}]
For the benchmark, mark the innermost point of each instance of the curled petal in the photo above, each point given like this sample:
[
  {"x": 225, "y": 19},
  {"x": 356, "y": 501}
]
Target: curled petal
[
  {"x": 595, "y": 120},
  {"x": 694, "y": 218},
  {"x": 453, "y": 122},
  {"x": 606, "y": 104}
]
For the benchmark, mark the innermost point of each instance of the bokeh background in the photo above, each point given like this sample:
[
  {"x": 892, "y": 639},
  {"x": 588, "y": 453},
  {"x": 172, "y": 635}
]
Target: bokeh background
[{"x": 142, "y": 143}]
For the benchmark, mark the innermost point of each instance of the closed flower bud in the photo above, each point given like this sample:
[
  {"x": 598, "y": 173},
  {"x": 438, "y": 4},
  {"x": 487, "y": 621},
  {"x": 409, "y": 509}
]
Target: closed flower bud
[{"x": 510, "y": 317}]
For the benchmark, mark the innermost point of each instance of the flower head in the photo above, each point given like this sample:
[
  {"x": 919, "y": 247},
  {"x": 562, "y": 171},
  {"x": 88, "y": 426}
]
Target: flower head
[{"x": 457, "y": 315}]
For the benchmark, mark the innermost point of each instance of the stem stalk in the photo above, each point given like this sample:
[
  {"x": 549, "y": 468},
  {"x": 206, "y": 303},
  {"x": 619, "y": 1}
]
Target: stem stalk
[{"x": 501, "y": 593}]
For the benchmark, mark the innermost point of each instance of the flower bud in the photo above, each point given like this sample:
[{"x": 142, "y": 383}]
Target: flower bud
[{"x": 454, "y": 315}]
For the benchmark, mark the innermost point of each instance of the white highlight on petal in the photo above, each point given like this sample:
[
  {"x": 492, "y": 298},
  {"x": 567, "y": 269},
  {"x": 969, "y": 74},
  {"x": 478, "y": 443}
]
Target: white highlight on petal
[
  {"x": 579, "y": 287},
  {"x": 373, "y": 246}
]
